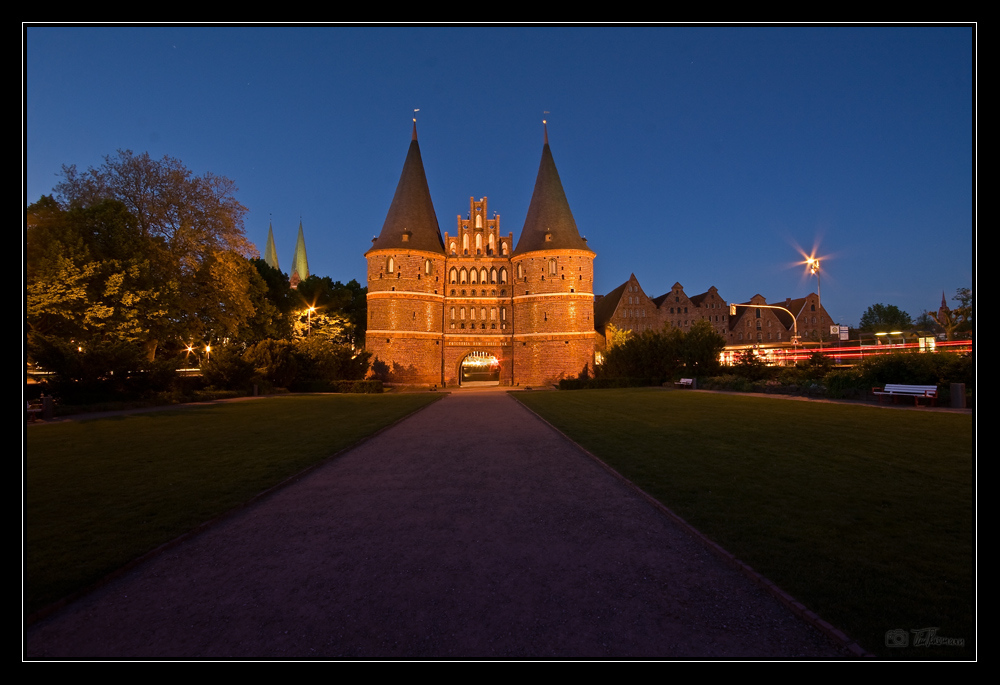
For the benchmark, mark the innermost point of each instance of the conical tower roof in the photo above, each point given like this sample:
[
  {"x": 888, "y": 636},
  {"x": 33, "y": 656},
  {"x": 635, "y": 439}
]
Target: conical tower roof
[
  {"x": 411, "y": 223},
  {"x": 300, "y": 264},
  {"x": 549, "y": 224},
  {"x": 270, "y": 253}
]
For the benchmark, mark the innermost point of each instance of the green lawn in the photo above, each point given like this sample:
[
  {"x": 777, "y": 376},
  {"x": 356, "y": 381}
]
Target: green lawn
[
  {"x": 863, "y": 514},
  {"x": 100, "y": 493}
]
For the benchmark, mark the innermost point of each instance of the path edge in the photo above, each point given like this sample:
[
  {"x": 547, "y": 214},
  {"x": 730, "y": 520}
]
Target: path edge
[
  {"x": 798, "y": 608},
  {"x": 212, "y": 522}
]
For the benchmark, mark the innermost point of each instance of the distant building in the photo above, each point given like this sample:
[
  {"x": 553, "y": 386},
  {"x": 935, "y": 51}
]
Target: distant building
[{"x": 627, "y": 307}]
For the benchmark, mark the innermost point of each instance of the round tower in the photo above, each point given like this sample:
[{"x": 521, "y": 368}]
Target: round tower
[
  {"x": 406, "y": 276},
  {"x": 553, "y": 287}
]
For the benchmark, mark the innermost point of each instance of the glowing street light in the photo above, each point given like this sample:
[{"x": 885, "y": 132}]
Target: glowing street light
[{"x": 813, "y": 265}]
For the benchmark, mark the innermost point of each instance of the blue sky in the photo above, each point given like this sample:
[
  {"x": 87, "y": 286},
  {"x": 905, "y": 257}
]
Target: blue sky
[{"x": 707, "y": 156}]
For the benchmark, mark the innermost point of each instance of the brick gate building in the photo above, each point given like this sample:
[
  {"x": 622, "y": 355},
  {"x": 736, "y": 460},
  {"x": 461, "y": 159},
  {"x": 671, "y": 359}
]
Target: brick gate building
[{"x": 473, "y": 308}]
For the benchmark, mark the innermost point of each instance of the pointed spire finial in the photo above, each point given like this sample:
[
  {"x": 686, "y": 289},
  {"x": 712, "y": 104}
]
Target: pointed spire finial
[
  {"x": 545, "y": 128},
  {"x": 415, "y": 123}
]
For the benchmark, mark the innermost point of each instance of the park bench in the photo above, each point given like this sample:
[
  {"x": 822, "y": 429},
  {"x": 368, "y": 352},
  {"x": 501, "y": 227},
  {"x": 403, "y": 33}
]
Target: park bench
[
  {"x": 685, "y": 383},
  {"x": 897, "y": 390},
  {"x": 33, "y": 411}
]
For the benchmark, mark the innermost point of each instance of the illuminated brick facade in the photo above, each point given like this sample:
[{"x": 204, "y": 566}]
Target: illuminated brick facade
[{"x": 471, "y": 308}]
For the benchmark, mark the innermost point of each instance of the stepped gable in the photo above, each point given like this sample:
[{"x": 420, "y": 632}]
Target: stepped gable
[
  {"x": 549, "y": 224},
  {"x": 411, "y": 223}
]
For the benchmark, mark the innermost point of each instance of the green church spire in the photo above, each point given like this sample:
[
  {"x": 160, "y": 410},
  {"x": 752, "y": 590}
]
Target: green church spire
[
  {"x": 270, "y": 253},
  {"x": 300, "y": 265}
]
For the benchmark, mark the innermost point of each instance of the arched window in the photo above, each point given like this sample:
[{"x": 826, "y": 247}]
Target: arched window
[
  {"x": 479, "y": 222},
  {"x": 503, "y": 276},
  {"x": 503, "y": 248},
  {"x": 493, "y": 314},
  {"x": 452, "y": 313},
  {"x": 493, "y": 276},
  {"x": 472, "y": 313},
  {"x": 483, "y": 276},
  {"x": 492, "y": 243},
  {"x": 479, "y": 242},
  {"x": 461, "y": 312},
  {"x": 473, "y": 275},
  {"x": 453, "y": 275},
  {"x": 552, "y": 267},
  {"x": 464, "y": 276},
  {"x": 427, "y": 267},
  {"x": 520, "y": 271},
  {"x": 390, "y": 265},
  {"x": 465, "y": 243},
  {"x": 453, "y": 246},
  {"x": 482, "y": 313}
]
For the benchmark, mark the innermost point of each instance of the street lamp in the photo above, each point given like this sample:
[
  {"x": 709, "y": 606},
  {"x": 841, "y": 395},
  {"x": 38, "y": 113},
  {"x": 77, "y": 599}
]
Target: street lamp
[
  {"x": 813, "y": 264},
  {"x": 309, "y": 320}
]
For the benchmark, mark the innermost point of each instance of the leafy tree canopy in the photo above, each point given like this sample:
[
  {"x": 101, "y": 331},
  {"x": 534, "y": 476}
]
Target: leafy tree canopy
[
  {"x": 883, "y": 317},
  {"x": 143, "y": 251}
]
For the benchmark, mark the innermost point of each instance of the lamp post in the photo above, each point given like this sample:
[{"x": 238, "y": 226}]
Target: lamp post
[
  {"x": 309, "y": 313},
  {"x": 813, "y": 265}
]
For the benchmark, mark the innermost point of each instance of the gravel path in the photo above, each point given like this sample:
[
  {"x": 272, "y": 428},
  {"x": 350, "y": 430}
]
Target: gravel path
[{"x": 470, "y": 529}]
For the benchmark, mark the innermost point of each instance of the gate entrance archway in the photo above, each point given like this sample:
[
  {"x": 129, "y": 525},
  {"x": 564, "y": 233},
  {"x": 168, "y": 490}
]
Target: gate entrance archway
[{"x": 479, "y": 369}]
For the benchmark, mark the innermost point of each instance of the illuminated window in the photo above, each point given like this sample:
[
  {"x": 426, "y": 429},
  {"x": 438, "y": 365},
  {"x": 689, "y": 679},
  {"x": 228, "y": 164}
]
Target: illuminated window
[
  {"x": 464, "y": 276},
  {"x": 493, "y": 276},
  {"x": 473, "y": 276},
  {"x": 503, "y": 275},
  {"x": 453, "y": 276},
  {"x": 427, "y": 267},
  {"x": 483, "y": 276},
  {"x": 390, "y": 265}
]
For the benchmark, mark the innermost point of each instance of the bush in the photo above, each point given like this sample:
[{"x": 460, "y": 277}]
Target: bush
[
  {"x": 664, "y": 355},
  {"x": 94, "y": 371},
  {"x": 751, "y": 367},
  {"x": 275, "y": 362},
  {"x": 731, "y": 382},
  {"x": 844, "y": 384},
  {"x": 227, "y": 370},
  {"x": 321, "y": 359}
]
